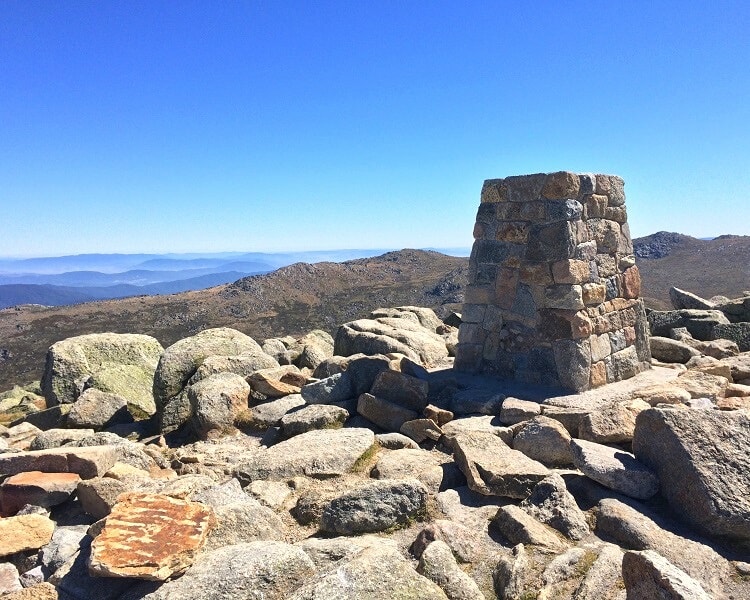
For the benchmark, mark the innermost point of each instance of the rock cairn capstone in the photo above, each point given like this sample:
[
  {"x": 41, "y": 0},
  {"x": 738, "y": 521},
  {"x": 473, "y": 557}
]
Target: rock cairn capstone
[{"x": 553, "y": 291}]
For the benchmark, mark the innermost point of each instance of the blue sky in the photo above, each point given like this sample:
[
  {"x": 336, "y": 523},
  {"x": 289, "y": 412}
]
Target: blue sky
[{"x": 209, "y": 126}]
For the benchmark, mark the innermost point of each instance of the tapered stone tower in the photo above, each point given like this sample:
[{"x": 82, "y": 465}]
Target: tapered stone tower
[{"x": 553, "y": 292}]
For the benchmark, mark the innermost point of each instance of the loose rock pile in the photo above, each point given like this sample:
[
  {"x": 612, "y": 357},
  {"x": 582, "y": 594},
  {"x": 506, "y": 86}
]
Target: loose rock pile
[{"x": 361, "y": 466}]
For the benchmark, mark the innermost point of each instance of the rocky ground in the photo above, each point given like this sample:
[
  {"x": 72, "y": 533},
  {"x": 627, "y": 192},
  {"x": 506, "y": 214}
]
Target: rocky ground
[{"x": 364, "y": 467}]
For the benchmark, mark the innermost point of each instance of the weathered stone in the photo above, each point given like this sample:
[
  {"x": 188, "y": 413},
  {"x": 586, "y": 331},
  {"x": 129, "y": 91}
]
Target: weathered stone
[
  {"x": 512, "y": 575},
  {"x": 270, "y": 414},
  {"x": 439, "y": 415},
  {"x": 378, "y": 572},
  {"x": 702, "y": 463},
  {"x": 682, "y": 299},
  {"x": 492, "y": 468},
  {"x": 515, "y": 411},
  {"x": 518, "y": 527},
  {"x": 118, "y": 363},
  {"x": 611, "y": 424},
  {"x": 21, "y": 436},
  {"x": 24, "y": 532},
  {"x": 604, "y": 579},
  {"x": 438, "y": 565},
  {"x": 486, "y": 424},
  {"x": 421, "y": 430},
  {"x": 180, "y": 361},
  {"x": 319, "y": 453},
  {"x": 87, "y": 462},
  {"x": 315, "y": 416},
  {"x": 552, "y": 504},
  {"x": 637, "y": 531},
  {"x": 410, "y": 392},
  {"x": 217, "y": 401},
  {"x": 388, "y": 415},
  {"x": 268, "y": 385},
  {"x": 9, "y": 580},
  {"x": 40, "y": 591},
  {"x": 376, "y": 506},
  {"x": 649, "y": 575},
  {"x": 395, "y": 441},
  {"x": 573, "y": 361},
  {"x": 671, "y": 351},
  {"x": 662, "y": 393},
  {"x": 431, "y": 468},
  {"x": 37, "y": 488},
  {"x": 245, "y": 365},
  {"x": 615, "y": 469},
  {"x": 96, "y": 410},
  {"x": 242, "y": 521},
  {"x": 264, "y": 569},
  {"x": 545, "y": 440},
  {"x": 386, "y": 335},
  {"x": 150, "y": 536},
  {"x": 335, "y": 388},
  {"x": 364, "y": 369},
  {"x": 702, "y": 385},
  {"x": 65, "y": 543}
]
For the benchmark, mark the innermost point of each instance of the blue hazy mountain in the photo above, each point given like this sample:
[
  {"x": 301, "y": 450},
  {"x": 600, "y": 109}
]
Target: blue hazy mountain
[{"x": 61, "y": 280}]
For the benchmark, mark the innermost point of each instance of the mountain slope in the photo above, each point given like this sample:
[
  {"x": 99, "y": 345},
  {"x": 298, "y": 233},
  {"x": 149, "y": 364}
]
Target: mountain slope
[
  {"x": 720, "y": 266},
  {"x": 291, "y": 300}
]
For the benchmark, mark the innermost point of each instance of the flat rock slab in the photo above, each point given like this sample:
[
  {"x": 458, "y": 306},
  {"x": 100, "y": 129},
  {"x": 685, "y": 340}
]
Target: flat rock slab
[
  {"x": 518, "y": 527},
  {"x": 493, "y": 468},
  {"x": 37, "y": 488},
  {"x": 615, "y": 469},
  {"x": 262, "y": 570},
  {"x": 703, "y": 464},
  {"x": 88, "y": 462},
  {"x": 649, "y": 575},
  {"x": 24, "y": 532},
  {"x": 150, "y": 536},
  {"x": 379, "y": 572},
  {"x": 320, "y": 453}
]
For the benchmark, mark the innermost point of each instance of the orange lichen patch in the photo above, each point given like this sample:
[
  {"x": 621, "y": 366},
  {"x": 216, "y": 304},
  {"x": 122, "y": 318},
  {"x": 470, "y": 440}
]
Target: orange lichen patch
[
  {"x": 36, "y": 487},
  {"x": 45, "y": 480},
  {"x": 150, "y": 536}
]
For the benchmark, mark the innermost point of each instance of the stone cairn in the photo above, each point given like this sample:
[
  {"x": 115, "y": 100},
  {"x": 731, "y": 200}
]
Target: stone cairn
[{"x": 553, "y": 292}]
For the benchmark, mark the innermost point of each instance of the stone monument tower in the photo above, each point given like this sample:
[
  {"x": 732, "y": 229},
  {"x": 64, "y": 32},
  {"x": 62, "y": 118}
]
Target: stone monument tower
[{"x": 553, "y": 292}]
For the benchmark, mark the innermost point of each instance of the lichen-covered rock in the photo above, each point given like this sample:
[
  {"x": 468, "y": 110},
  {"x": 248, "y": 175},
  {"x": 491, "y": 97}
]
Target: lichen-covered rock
[
  {"x": 379, "y": 572},
  {"x": 264, "y": 569},
  {"x": 386, "y": 335},
  {"x": 180, "y": 361},
  {"x": 544, "y": 440},
  {"x": 438, "y": 565},
  {"x": 24, "y": 532},
  {"x": 96, "y": 410},
  {"x": 376, "y": 506},
  {"x": 552, "y": 504},
  {"x": 217, "y": 401},
  {"x": 319, "y": 453},
  {"x": 150, "y": 536},
  {"x": 702, "y": 461},
  {"x": 649, "y": 575},
  {"x": 615, "y": 469},
  {"x": 493, "y": 468},
  {"x": 119, "y": 363}
]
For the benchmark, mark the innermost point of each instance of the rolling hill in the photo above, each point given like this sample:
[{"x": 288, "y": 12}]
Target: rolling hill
[{"x": 300, "y": 297}]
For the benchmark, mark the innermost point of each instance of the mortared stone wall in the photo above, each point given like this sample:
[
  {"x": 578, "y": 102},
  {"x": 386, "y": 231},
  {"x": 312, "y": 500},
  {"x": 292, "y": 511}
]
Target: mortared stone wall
[{"x": 553, "y": 291}]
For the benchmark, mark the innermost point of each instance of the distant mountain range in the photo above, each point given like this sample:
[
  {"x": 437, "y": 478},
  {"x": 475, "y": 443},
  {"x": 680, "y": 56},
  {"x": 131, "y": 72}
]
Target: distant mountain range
[
  {"x": 300, "y": 297},
  {"x": 63, "y": 280}
]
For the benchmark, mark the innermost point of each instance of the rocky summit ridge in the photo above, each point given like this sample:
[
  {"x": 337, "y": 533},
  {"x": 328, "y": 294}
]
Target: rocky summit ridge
[{"x": 360, "y": 465}]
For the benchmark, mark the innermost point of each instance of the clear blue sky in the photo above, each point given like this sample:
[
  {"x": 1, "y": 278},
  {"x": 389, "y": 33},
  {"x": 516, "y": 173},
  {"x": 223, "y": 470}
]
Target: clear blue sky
[{"x": 208, "y": 126}]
